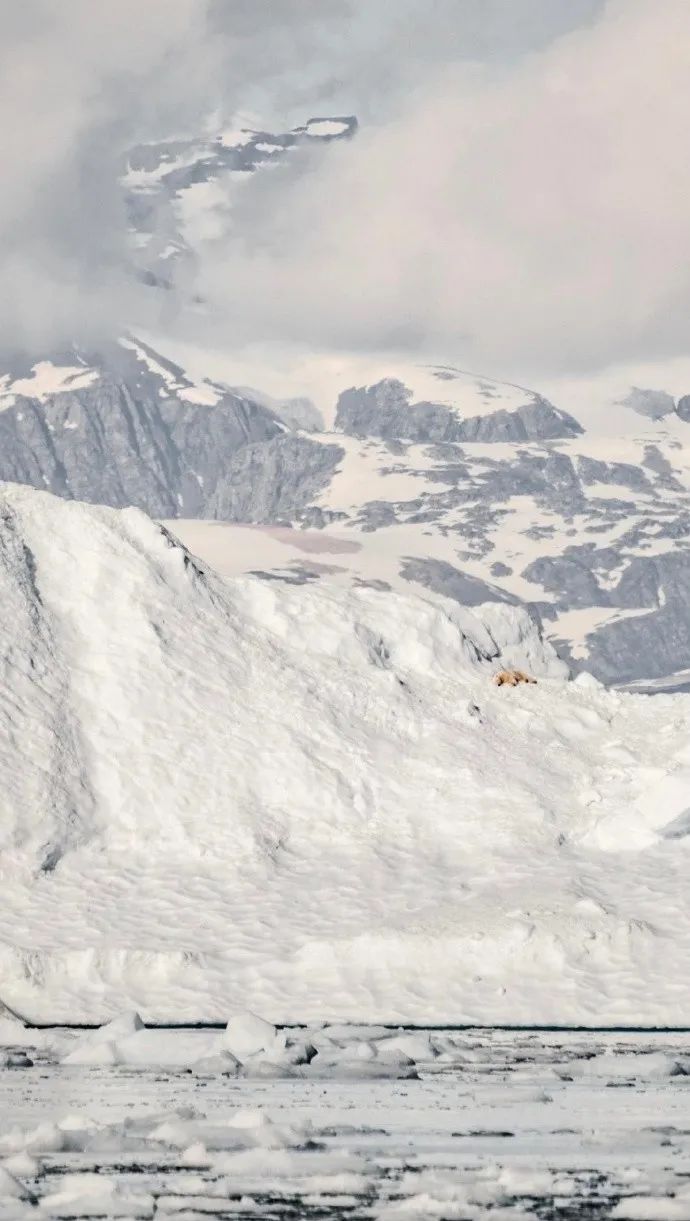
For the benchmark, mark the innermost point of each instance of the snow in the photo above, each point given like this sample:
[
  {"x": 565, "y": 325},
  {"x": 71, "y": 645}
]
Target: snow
[
  {"x": 144, "y": 180},
  {"x": 599, "y": 401},
  {"x": 46, "y": 379},
  {"x": 465, "y": 393},
  {"x": 578, "y": 624},
  {"x": 10, "y": 1186},
  {"x": 661, "y": 807},
  {"x": 298, "y": 412},
  {"x": 203, "y": 396},
  {"x": 370, "y": 473},
  {"x": 202, "y": 392},
  {"x": 236, "y": 137},
  {"x": 517, "y": 530},
  {"x": 326, "y": 127},
  {"x": 313, "y": 802},
  {"x": 679, "y": 681},
  {"x": 234, "y": 549},
  {"x": 352, "y": 556},
  {"x": 284, "y": 371}
]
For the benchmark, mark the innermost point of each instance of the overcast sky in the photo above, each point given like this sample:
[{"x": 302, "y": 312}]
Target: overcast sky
[{"x": 516, "y": 199}]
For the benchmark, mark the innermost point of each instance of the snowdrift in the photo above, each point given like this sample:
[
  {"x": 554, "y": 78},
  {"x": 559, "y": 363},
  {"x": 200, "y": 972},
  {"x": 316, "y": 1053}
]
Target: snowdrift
[{"x": 314, "y": 801}]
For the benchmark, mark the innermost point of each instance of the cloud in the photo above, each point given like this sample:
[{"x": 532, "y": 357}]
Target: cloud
[
  {"x": 81, "y": 81},
  {"x": 360, "y": 56},
  {"x": 78, "y": 82},
  {"x": 526, "y": 216},
  {"x": 516, "y": 199}
]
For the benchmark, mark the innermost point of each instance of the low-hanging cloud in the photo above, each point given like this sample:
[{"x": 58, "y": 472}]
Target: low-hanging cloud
[
  {"x": 528, "y": 215},
  {"x": 516, "y": 198},
  {"x": 77, "y": 82},
  {"x": 80, "y": 83}
]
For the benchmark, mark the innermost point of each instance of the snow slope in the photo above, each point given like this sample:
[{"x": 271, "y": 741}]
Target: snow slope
[{"x": 314, "y": 802}]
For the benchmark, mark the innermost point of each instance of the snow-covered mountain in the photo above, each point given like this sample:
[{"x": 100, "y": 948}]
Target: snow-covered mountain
[
  {"x": 301, "y": 798},
  {"x": 471, "y": 488},
  {"x": 124, "y": 426},
  {"x": 369, "y": 469},
  {"x": 482, "y": 491}
]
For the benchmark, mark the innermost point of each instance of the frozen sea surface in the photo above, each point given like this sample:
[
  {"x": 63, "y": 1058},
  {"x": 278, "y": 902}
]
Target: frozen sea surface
[{"x": 493, "y": 1124}]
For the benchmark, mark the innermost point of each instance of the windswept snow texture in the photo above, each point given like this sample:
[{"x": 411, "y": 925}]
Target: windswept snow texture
[{"x": 315, "y": 802}]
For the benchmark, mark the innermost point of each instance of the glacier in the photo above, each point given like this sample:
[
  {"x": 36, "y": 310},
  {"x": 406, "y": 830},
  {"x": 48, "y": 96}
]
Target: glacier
[{"x": 314, "y": 801}]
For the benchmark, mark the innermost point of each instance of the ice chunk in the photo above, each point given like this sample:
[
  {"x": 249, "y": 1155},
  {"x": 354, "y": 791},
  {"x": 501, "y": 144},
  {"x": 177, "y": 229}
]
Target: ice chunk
[
  {"x": 96, "y": 1195},
  {"x": 99, "y": 1046},
  {"x": 268, "y": 1066},
  {"x": 395, "y": 1057},
  {"x": 10, "y": 1186},
  {"x": 417, "y": 1046},
  {"x": 648, "y": 1066},
  {"x": 650, "y": 1208},
  {"x": 94, "y": 1053},
  {"x": 358, "y": 1052},
  {"x": 180, "y": 1134},
  {"x": 119, "y": 1028},
  {"x": 259, "y": 1128},
  {"x": 195, "y": 1155},
  {"x": 246, "y": 1034},
  {"x": 220, "y": 1063},
  {"x": 22, "y": 1164},
  {"x": 587, "y": 681},
  {"x": 12, "y": 1031},
  {"x": 45, "y": 1138}
]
